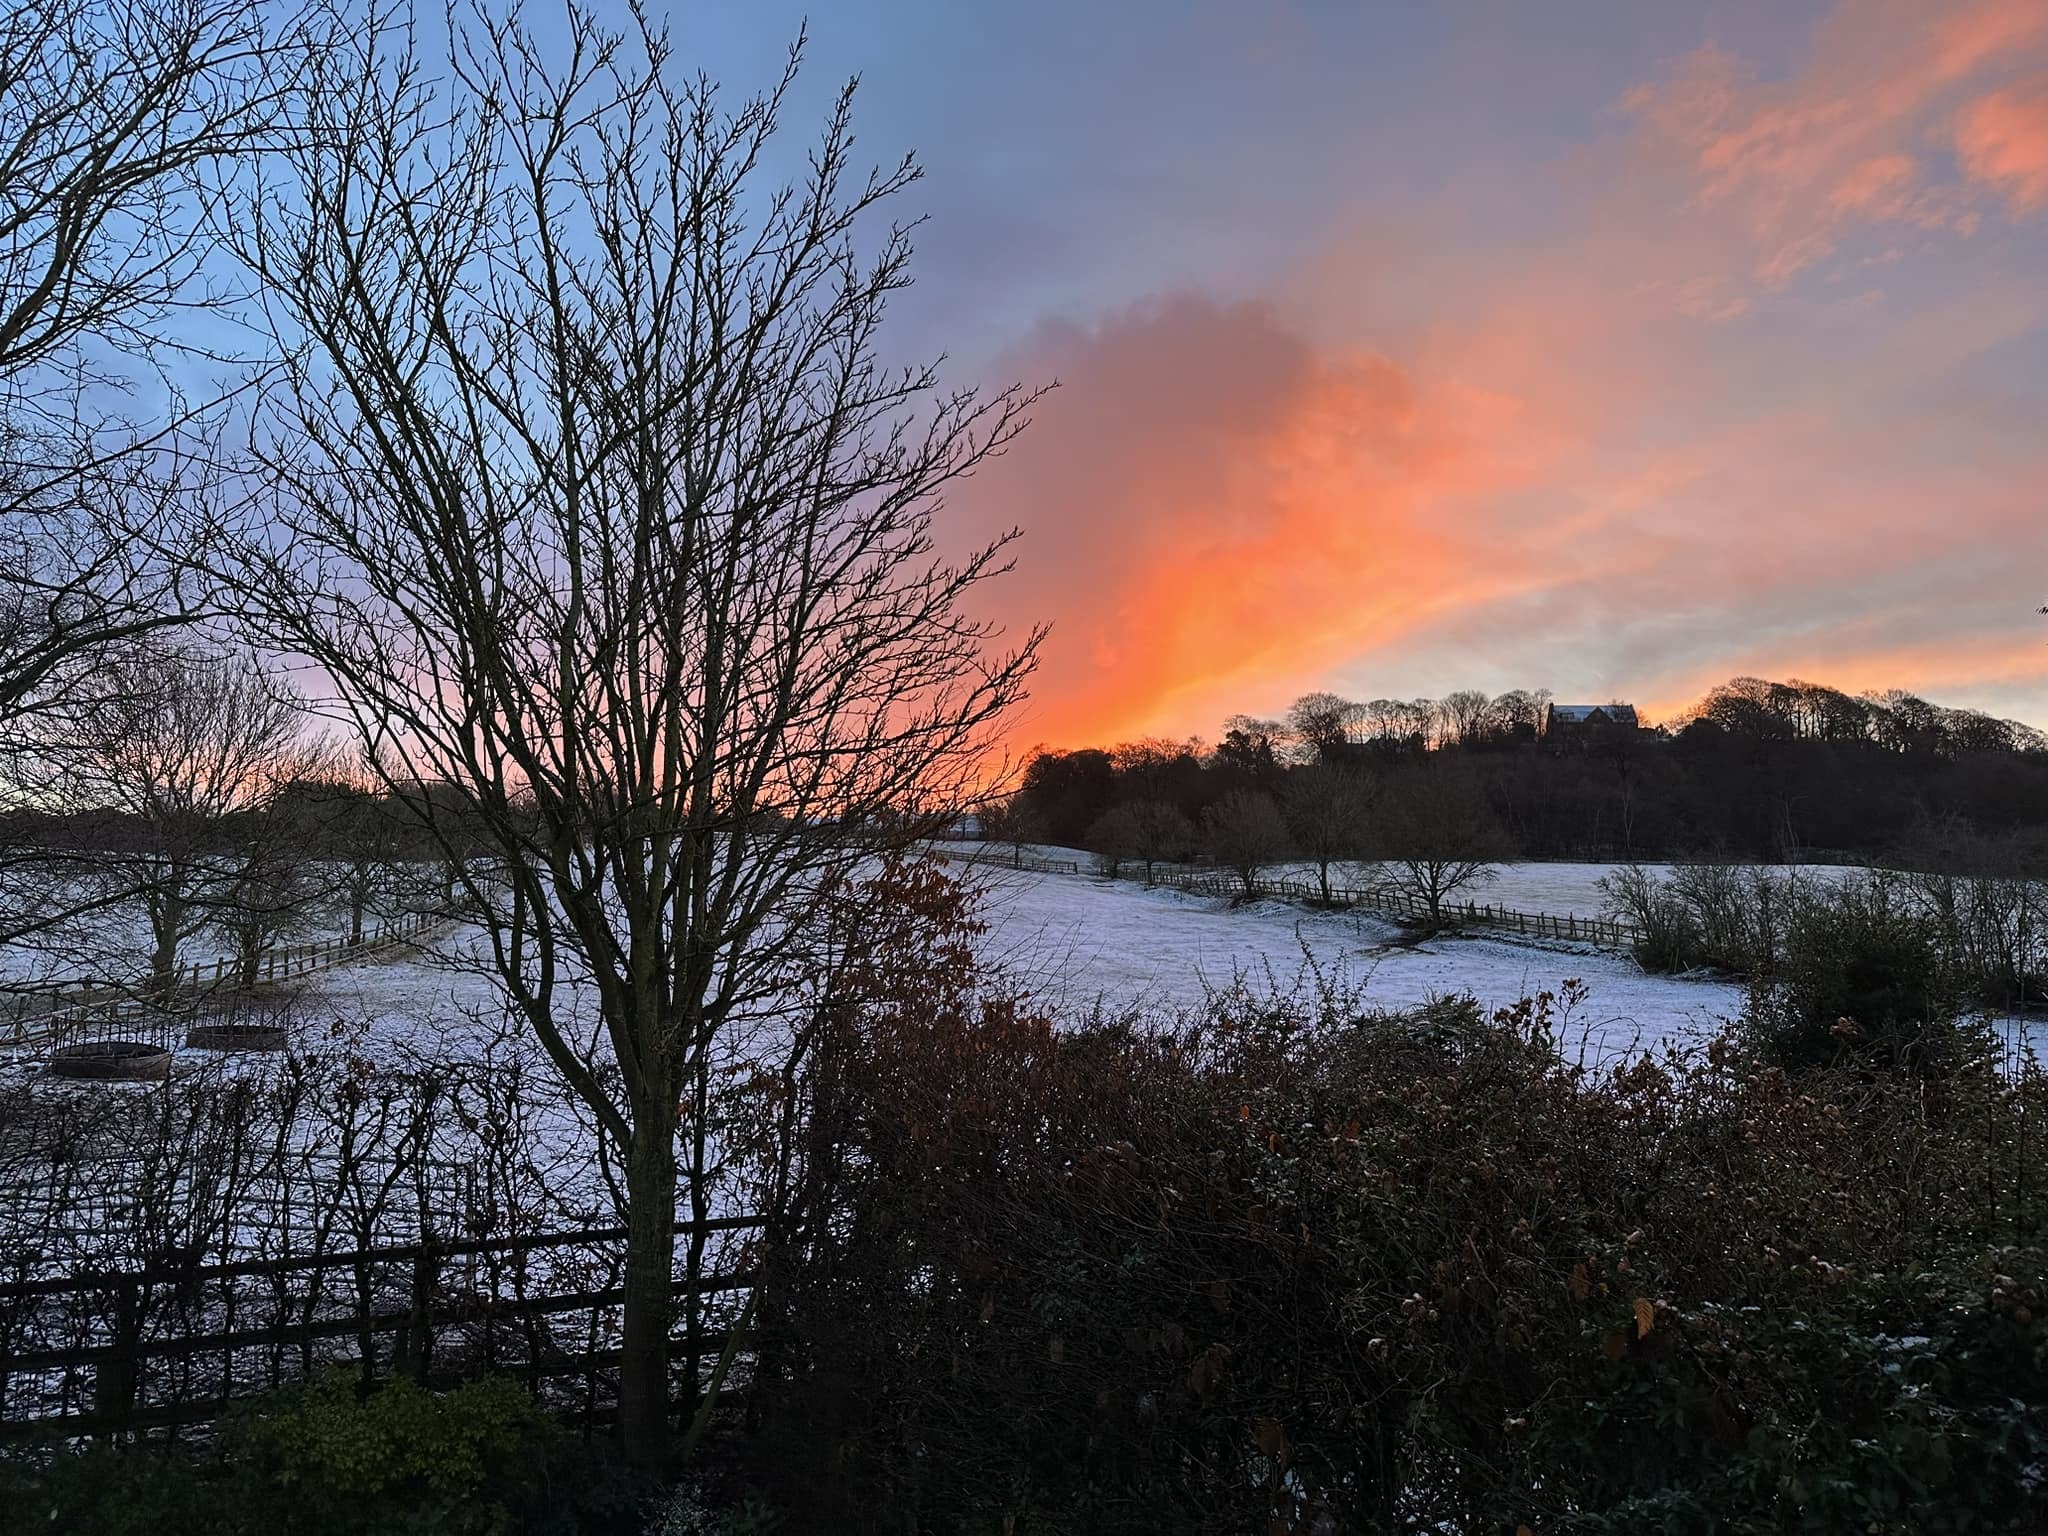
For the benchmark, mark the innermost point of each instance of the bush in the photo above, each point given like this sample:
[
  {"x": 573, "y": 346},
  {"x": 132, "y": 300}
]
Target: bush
[
  {"x": 1667, "y": 939},
  {"x": 332, "y": 1459},
  {"x": 1863, "y": 978},
  {"x": 1723, "y": 915},
  {"x": 1295, "y": 1264}
]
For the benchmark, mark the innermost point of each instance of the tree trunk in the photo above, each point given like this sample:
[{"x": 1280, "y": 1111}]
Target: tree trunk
[
  {"x": 650, "y": 1261},
  {"x": 167, "y": 915},
  {"x": 697, "y": 1188}
]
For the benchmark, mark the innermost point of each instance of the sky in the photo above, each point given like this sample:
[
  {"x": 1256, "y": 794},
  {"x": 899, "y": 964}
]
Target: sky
[{"x": 1615, "y": 349}]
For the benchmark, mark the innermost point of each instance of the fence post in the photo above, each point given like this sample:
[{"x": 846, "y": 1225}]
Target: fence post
[
  {"x": 416, "y": 1344},
  {"x": 113, "y": 1389}
]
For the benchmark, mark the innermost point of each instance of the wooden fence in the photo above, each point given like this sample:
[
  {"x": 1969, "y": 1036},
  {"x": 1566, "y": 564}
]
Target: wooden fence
[
  {"x": 157, "y": 1349},
  {"x": 1408, "y": 907},
  {"x": 1385, "y": 900},
  {"x": 1016, "y": 858},
  {"x": 46, "y": 1018}
]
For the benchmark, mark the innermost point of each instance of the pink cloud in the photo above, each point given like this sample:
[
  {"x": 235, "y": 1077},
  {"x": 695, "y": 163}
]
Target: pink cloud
[
  {"x": 2002, "y": 141},
  {"x": 1848, "y": 142}
]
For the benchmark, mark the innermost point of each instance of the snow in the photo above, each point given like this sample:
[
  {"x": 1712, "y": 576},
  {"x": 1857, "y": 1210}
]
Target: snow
[
  {"x": 113, "y": 943},
  {"x": 1559, "y": 889},
  {"x": 1076, "y": 941},
  {"x": 1573, "y": 890}
]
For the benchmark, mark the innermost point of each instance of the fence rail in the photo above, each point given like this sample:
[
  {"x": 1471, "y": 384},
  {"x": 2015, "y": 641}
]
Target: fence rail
[
  {"x": 46, "y": 1018},
  {"x": 1385, "y": 900},
  {"x": 167, "y": 1346}
]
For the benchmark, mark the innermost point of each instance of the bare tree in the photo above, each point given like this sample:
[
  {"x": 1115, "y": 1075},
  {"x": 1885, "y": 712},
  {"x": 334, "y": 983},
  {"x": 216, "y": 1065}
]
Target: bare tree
[
  {"x": 182, "y": 755},
  {"x": 1438, "y": 837},
  {"x": 1014, "y": 822},
  {"x": 1113, "y": 839},
  {"x": 1245, "y": 834},
  {"x": 1515, "y": 716},
  {"x": 1162, "y": 834},
  {"x": 274, "y": 877},
  {"x": 1329, "y": 818},
  {"x": 118, "y": 119},
  {"x": 1148, "y": 832},
  {"x": 608, "y": 521},
  {"x": 1324, "y": 725},
  {"x": 1252, "y": 746},
  {"x": 114, "y": 116},
  {"x": 1397, "y": 722},
  {"x": 1461, "y": 717}
]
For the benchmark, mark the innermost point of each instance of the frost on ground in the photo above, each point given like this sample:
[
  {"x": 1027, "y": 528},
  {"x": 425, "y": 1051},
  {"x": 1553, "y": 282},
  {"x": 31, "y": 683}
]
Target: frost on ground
[
  {"x": 1075, "y": 942},
  {"x": 1551, "y": 888}
]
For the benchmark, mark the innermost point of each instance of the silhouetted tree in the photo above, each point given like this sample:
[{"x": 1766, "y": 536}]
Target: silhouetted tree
[
  {"x": 1066, "y": 792},
  {"x": 191, "y": 748},
  {"x": 1323, "y": 725},
  {"x": 1438, "y": 838},
  {"x": 624, "y": 541},
  {"x": 119, "y": 120},
  {"x": 1161, "y": 834},
  {"x": 1113, "y": 839},
  {"x": 1328, "y": 812},
  {"x": 1250, "y": 748},
  {"x": 1245, "y": 833}
]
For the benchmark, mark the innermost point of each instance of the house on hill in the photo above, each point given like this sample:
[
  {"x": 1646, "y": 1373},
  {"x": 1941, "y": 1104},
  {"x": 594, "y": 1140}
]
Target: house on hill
[{"x": 1567, "y": 722}]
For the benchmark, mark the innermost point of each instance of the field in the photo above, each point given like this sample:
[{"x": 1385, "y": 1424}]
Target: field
[{"x": 1076, "y": 943}]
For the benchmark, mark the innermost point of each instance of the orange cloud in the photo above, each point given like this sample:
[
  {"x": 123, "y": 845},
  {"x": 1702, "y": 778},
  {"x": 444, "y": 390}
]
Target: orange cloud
[
  {"x": 2002, "y": 140},
  {"x": 1639, "y": 451},
  {"x": 1215, "y": 507}
]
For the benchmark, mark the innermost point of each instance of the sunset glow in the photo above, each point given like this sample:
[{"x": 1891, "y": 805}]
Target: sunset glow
[{"x": 1498, "y": 346}]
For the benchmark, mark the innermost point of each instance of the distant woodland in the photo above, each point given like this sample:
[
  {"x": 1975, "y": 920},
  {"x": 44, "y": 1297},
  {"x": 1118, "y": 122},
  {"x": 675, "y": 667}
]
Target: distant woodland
[{"x": 1756, "y": 770}]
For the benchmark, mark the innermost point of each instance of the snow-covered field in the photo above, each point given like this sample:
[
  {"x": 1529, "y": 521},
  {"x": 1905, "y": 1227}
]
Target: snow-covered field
[
  {"x": 1573, "y": 890},
  {"x": 113, "y": 944},
  {"x": 1554, "y": 889},
  {"x": 1075, "y": 941},
  {"x": 1078, "y": 942}
]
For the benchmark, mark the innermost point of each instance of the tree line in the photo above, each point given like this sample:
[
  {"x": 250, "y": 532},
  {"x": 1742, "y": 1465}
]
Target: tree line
[{"x": 1757, "y": 771}]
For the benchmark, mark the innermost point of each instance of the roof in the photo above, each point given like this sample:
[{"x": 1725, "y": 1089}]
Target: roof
[{"x": 1580, "y": 714}]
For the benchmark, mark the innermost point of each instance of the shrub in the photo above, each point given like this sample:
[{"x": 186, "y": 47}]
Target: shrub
[
  {"x": 1725, "y": 915},
  {"x": 1296, "y": 1264},
  {"x": 1667, "y": 939},
  {"x": 1862, "y": 978},
  {"x": 331, "y": 1458}
]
